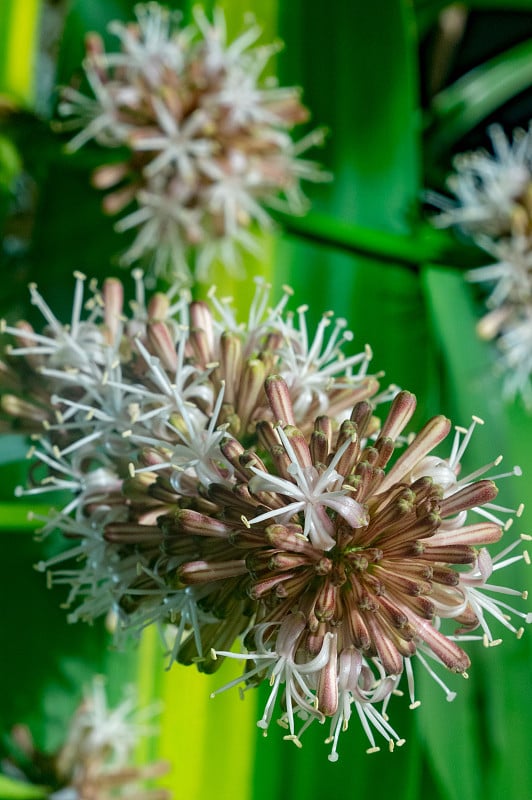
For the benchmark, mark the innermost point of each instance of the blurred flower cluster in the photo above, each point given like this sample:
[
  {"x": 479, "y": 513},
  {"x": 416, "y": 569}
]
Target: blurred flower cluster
[
  {"x": 207, "y": 135},
  {"x": 241, "y": 485},
  {"x": 95, "y": 761},
  {"x": 494, "y": 207}
]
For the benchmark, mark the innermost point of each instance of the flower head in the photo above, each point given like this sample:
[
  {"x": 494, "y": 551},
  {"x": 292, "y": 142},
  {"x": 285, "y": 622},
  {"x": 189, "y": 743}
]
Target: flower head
[
  {"x": 289, "y": 524},
  {"x": 492, "y": 191},
  {"x": 209, "y": 137},
  {"x": 96, "y": 759},
  {"x": 494, "y": 194}
]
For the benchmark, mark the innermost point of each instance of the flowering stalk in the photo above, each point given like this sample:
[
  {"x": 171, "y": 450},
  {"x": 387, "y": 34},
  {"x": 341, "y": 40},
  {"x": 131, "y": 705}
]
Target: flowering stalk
[
  {"x": 240, "y": 481},
  {"x": 208, "y": 138}
]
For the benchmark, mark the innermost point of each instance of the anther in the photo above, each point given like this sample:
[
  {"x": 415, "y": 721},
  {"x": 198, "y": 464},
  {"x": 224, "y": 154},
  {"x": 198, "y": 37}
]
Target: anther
[{"x": 293, "y": 738}]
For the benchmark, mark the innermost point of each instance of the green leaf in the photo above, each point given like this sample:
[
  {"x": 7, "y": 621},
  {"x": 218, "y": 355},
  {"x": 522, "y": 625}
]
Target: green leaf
[
  {"x": 18, "y": 790},
  {"x": 384, "y": 247},
  {"x": 18, "y": 43},
  {"x": 450, "y": 734},
  {"x": 500, "y": 676},
  {"x": 467, "y": 102}
]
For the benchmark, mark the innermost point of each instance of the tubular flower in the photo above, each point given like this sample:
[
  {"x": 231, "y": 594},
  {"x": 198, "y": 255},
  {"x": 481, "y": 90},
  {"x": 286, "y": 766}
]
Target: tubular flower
[
  {"x": 209, "y": 137},
  {"x": 494, "y": 207},
  {"x": 96, "y": 760},
  {"x": 241, "y": 506}
]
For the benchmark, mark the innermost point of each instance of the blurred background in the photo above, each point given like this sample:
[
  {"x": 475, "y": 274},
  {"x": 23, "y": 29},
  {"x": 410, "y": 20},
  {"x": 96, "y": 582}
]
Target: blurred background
[{"x": 401, "y": 87}]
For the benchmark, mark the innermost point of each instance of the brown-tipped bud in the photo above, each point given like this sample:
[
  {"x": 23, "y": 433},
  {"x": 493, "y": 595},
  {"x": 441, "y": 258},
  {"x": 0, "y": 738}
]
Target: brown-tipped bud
[
  {"x": 250, "y": 390},
  {"x": 109, "y": 175},
  {"x": 281, "y": 461},
  {"x": 130, "y": 533},
  {"x": 115, "y": 201},
  {"x": 421, "y": 606},
  {"x": 447, "y": 651},
  {"x": 267, "y": 435},
  {"x": 35, "y": 361},
  {"x": 248, "y": 459},
  {"x": 476, "y": 494},
  {"x": 361, "y": 416},
  {"x": 287, "y": 561},
  {"x": 279, "y": 399},
  {"x": 481, "y": 533},
  {"x": 491, "y": 323},
  {"x": 325, "y": 606},
  {"x": 17, "y": 407},
  {"x": 299, "y": 445},
  {"x": 201, "y": 321},
  {"x": 263, "y": 587},
  {"x": 390, "y": 657},
  {"x": 230, "y": 365},
  {"x": 358, "y": 629},
  {"x": 348, "y": 461},
  {"x": 319, "y": 447},
  {"x": 328, "y": 682},
  {"x": 158, "y": 307},
  {"x": 199, "y": 343},
  {"x": 385, "y": 448},
  {"x": 400, "y": 414},
  {"x": 93, "y": 45},
  {"x": 233, "y": 450},
  {"x": 395, "y": 617},
  {"x": 324, "y": 425},
  {"x": 162, "y": 345},
  {"x": 432, "y": 433},
  {"x": 467, "y": 619},
  {"x": 285, "y": 539},
  {"x": 113, "y": 300},
  {"x": 136, "y": 488},
  {"x": 195, "y": 524},
  {"x": 196, "y": 572},
  {"x": 150, "y": 457},
  {"x": 445, "y": 576}
]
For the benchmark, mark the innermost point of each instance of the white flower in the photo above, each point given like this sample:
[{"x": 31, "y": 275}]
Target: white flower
[
  {"x": 313, "y": 368},
  {"x": 312, "y": 493},
  {"x": 209, "y": 138},
  {"x": 101, "y": 743},
  {"x": 282, "y": 668},
  {"x": 490, "y": 188},
  {"x": 481, "y": 597}
]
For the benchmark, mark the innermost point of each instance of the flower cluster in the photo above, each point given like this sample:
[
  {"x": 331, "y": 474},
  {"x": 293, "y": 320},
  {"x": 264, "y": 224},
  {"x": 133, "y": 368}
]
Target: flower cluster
[
  {"x": 96, "y": 760},
  {"x": 494, "y": 207},
  {"x": 237, "y": 483},
  {"x": 208, "y": 137}
]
